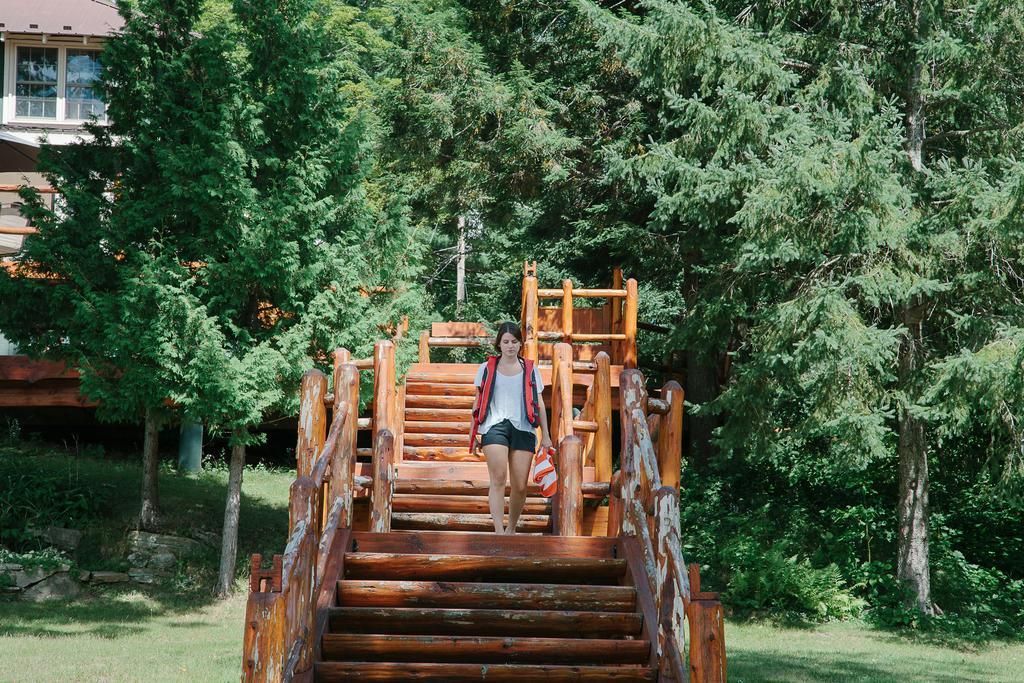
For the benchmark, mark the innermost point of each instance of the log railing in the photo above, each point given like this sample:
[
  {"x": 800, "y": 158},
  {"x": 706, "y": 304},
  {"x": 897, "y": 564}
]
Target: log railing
[
  {"x": 644, "y": 504},
  {"x": 593, "y": 424},
  {"x": 621, "y": 336},
  {"x": 288, "y": 601}
]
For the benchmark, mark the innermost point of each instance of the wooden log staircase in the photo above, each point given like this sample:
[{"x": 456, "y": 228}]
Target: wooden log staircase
[{"x": 392, "y": 571}]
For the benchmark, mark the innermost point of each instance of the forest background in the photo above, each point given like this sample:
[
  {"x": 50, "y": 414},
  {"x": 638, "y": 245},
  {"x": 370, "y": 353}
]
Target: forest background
[{"x": 821, "y": 201}]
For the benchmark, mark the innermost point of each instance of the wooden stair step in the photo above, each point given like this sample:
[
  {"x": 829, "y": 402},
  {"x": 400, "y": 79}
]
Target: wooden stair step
[
  {"x": 483, "y": 622},
  {"x": 436, "y": 427},
  {"x": 454, "y": 453},
  {"x": 423, "y": 439},
  {"x": 404, "y": 502},
  {"x": 485, "y": 544},
  {"x": 448, "y": 402},
  {"x": 450, "y": 567},
  {"x": 330, "y": 672},
  {"x": 476, "y": 649},
  {"x": 457, "y": 375},
  {"x": 440, "y": 389},
  {"x": 470, "y": 487},
  {"x": 438, "y": 414},
  {"x": 464, "y": 521},
  {"x": 378, "y": 593}
]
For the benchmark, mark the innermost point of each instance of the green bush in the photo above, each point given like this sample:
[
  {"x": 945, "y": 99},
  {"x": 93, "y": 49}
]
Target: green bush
[
  {"x": 40, "y": 499},
  {"x": 767, "y": 580}
]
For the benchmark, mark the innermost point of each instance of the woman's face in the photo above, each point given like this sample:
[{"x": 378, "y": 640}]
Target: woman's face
[{"x": 509, "y": 345}]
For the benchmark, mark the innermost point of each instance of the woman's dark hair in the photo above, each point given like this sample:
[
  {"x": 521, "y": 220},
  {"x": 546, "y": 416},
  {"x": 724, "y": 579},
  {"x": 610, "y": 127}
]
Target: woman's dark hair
[{"x": 507, "y": 328}]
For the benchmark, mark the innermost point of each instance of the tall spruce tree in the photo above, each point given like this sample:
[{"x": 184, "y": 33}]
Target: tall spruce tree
[
  {"x": 218, "y": 238},
  {"x": 844, "y": 178}
]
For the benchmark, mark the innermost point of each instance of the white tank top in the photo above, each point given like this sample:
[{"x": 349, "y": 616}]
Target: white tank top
[{"x": 507, "y": 399}]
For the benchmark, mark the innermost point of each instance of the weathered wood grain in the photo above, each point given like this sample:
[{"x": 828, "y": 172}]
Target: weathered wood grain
[
  {"x": 484, "y": 649},
  {"x": 483, "y": 622}
]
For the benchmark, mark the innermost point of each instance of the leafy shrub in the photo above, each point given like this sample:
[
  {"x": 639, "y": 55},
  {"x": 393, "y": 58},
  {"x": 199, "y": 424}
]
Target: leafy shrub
[
  {"x": 39, "y": 499},
  {"x": 47, "y": 558},
  {"x": 770, "y": 580}
]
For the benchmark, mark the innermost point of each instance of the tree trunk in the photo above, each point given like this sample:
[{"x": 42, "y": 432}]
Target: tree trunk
[
  {"x": 912, "y": 563},
  {"x": 701, "y": 386},
  {"x": 149, "y": 512},
  {"x": 229, "y": 535},
  {"x": 460, "y": 268},
  {"x": 915, "y": 99}
]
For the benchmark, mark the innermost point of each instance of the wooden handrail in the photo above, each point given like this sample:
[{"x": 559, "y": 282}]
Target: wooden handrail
[
  {"x": 561, "y": 335},
  {"x": 282, "y": 618},
  {"x": 583, "y": 293},
  {"x": 456, "y": 342},
  {"x": 638, "y": 503}
]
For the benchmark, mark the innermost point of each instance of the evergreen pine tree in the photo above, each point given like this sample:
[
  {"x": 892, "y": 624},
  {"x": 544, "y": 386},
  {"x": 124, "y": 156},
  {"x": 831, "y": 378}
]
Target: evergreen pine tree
[{"x": 844, "y": 177}]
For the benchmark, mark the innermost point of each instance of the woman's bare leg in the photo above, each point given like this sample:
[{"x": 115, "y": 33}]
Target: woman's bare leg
[
  {"x": 497, "y": 468},
  {"x": 519, "y": 469}
]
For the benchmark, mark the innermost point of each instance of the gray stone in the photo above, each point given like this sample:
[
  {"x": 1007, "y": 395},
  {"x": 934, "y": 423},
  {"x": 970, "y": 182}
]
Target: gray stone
[
  {"x": 65, "y": 539},
  {"x": 10, "y": 567},
  {"x": 84, "y": 575},
  {"x": 27, "y": 577},
  {"x": 163, "y": 561},
  {"x": 57, "y": 587},
  {"x": 150, "y": 544},
  {"x": 210, "y": 538},
  {"x": 110, "y": 577},
  {"x": 138, "y": 559},
  {"x": 142, "y": 575}
]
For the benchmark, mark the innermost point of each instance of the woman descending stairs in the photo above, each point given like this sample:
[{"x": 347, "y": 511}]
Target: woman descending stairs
[{"x": 470, "y": 607}]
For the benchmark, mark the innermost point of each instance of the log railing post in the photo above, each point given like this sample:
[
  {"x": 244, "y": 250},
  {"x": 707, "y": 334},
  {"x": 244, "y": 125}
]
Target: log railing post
[
  {"x": 615, "y": 510},
  {"x": 616, "y": 315},
  {"x": 383, "y": 481},
  {"x": 707, "y": 634},
  {"x": 346, "y": 395},
  {"x": 312, "y": 421},
  {"x": 567, "y": 311},
  {"x": 632, "y": 398},
  {"x": 629, "y": 325},
  {"x": 602, "y": 392},
  {"x": 425, "y": 346},
  {"x": 666, "y": 527},
  {"x": 531, "y": 311},
  {"x": 399, "y": 424},
  {"x": 384, "y": 386},
  {"x": 670, "y": 436},
  {"x": 561, "y": 393},
  {"x": 569, "y": 498}
]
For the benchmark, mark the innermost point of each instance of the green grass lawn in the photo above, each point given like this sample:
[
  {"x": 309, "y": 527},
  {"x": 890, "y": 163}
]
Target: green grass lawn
[
  {"x": 177, "y": 632},
  {"x": 853, "y": 651}
]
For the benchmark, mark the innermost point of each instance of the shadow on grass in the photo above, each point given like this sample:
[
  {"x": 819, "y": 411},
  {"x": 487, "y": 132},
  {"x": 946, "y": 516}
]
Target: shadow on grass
[
  {"x": 192, "y": 506},
  {"x": 108, "y": 616},
  {"x": 754, "y": 667}
]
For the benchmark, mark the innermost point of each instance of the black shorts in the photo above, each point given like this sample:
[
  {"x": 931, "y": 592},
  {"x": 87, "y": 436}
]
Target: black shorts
[{"x": 505, "y": 434}]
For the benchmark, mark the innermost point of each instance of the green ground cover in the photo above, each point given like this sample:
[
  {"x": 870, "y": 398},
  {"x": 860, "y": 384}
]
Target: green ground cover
[{"x": 177, "y": 632}]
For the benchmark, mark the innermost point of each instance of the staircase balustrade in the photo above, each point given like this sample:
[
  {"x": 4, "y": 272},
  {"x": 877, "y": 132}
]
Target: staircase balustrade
[
  {"x": 281, "y": 613},
  {"x": 647, "y": 510}
]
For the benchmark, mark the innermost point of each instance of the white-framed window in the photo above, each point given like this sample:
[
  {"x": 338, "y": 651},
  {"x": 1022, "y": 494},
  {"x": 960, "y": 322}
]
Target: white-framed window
[{"x": 51, "y": 83}]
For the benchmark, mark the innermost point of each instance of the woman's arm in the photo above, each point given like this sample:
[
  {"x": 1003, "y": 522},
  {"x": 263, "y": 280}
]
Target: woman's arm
[{"x": 545, "y": 435}]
